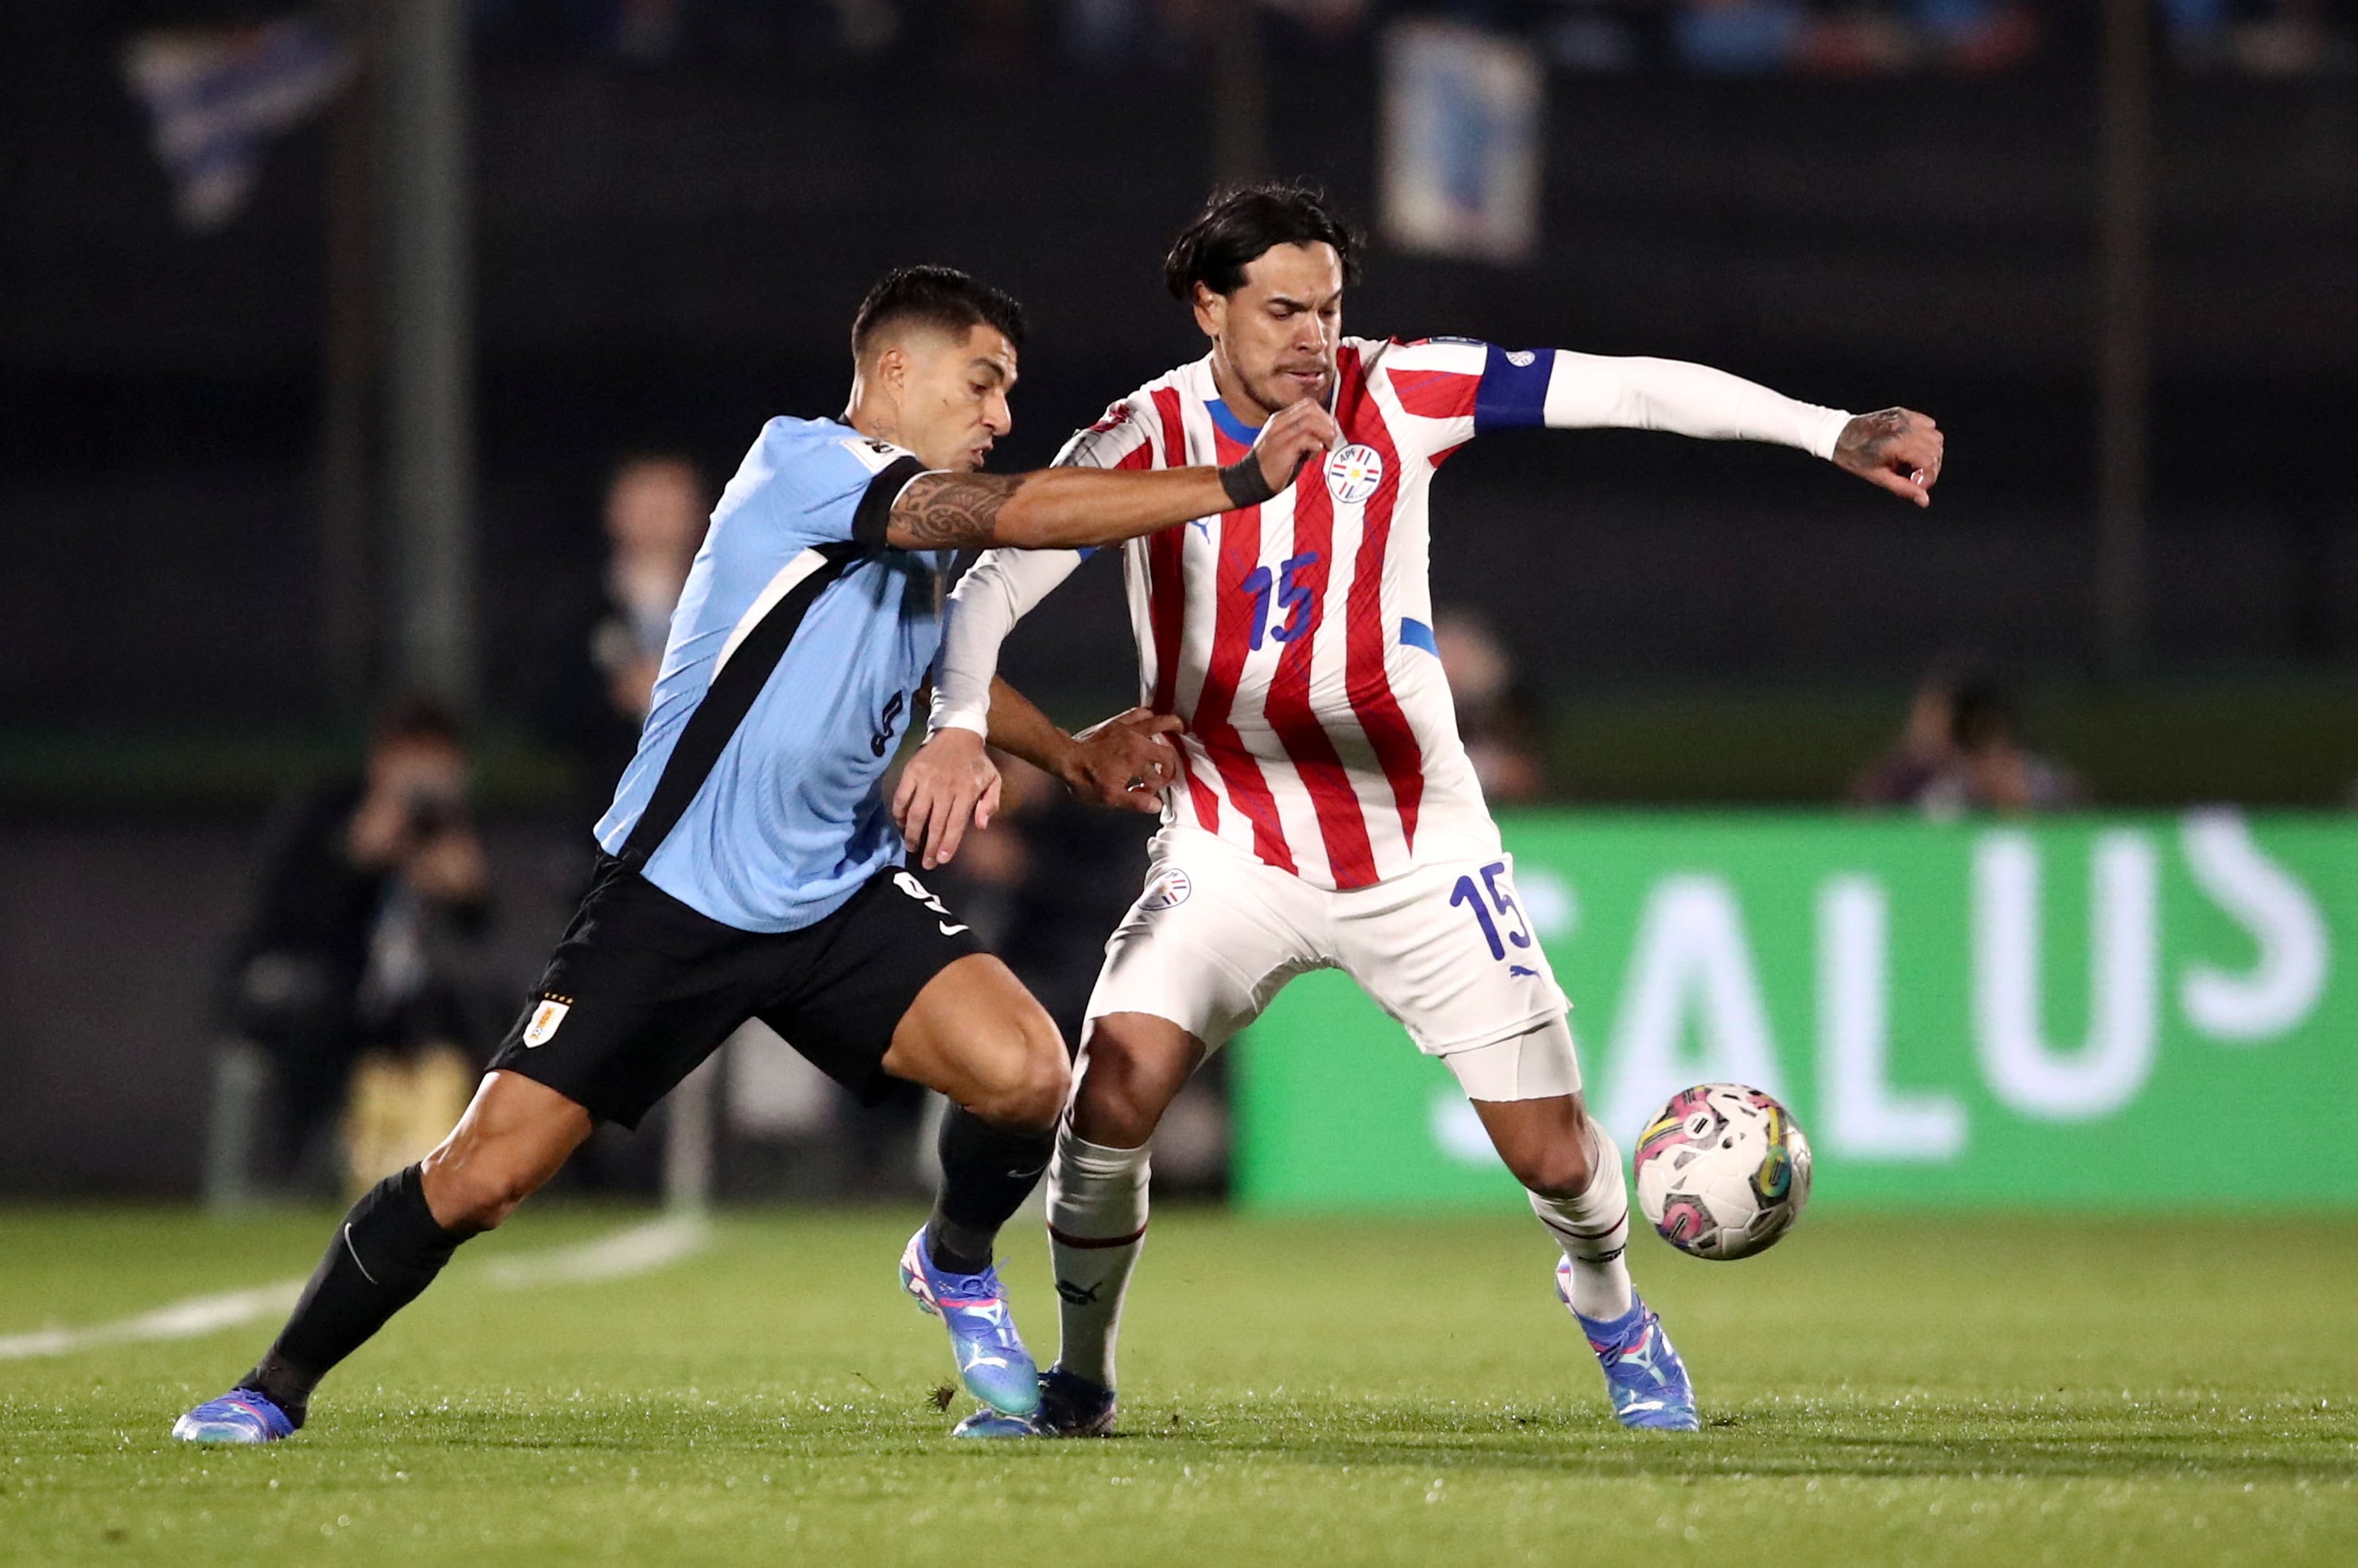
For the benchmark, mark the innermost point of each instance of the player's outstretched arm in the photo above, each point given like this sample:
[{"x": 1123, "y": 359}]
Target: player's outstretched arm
[
  {"x": 1896, "y": 448},
  {"x": 1066, "y": 507}
]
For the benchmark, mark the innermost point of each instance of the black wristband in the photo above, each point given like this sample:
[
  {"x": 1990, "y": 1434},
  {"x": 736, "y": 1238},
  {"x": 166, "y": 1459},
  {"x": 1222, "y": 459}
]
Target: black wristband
[{"x": 1246, "y": 484}]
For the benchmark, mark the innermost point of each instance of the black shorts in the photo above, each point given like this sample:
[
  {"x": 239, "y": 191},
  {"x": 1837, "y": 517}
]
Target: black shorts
[{"x": 643, "y": 989}]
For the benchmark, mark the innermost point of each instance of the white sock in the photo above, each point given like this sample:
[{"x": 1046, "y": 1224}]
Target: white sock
[
  {"x": 1593, "y": 1228},
  {"x": 1096, "y": 1223}
]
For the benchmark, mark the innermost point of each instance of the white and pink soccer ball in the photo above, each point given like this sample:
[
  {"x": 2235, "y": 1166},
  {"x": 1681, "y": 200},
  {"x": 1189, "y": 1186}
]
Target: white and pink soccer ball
[{"x": 1723, "y": 1171}]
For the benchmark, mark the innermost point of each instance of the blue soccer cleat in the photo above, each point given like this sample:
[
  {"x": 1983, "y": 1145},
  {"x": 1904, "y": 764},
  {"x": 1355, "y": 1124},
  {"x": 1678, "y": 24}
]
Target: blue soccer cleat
[
  {"x": 1643, "y": 1374},
  {"x": 991, "y": 1360},
  {"x": 1072, "y": 1406},
  {"x": 989, "y": 1422},
  {"x": 242, "y": 1415}
]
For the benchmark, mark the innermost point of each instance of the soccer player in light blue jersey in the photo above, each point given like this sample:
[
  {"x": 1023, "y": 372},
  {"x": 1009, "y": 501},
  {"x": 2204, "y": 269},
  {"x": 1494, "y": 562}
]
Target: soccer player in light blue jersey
[{"x": 750, "y": 868}]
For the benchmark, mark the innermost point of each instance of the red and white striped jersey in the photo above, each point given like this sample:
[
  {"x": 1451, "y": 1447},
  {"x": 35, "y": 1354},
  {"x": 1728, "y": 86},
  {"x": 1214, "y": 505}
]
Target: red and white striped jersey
[{"x": 1295, "y": 638}]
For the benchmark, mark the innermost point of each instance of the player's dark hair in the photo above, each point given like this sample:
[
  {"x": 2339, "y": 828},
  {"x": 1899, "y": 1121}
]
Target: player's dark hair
[
  {"x": 936, "y": 296},
  {"x": 1238, "y": 226}
]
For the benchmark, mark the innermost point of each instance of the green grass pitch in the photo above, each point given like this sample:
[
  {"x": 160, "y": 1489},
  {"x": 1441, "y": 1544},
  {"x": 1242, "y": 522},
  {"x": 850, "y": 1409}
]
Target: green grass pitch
[{"x": 1878, "y": 1389}]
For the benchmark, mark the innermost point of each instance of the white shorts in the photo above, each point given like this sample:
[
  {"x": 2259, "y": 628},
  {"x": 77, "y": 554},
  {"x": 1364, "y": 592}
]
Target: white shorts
[{"x": 1444, "y": 949}]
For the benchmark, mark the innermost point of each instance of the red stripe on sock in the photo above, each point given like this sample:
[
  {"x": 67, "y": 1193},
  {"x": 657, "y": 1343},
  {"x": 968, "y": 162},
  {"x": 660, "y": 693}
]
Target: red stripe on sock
[{"x": 1091, "y": 1243}]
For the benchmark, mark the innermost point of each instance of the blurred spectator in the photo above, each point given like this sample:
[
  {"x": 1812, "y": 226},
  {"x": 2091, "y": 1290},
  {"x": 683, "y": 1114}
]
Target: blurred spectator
[
  {"x": 1963, "y": 751},
  {"x": 654, "y": 520},
  {"x": 1924, "y": 755},
  {"x": 607, "y": 639},
  {"x": 1724, "y": 38},
  {"x": 344, "y": 974},
  {"x": 1739, "y": 37},
  {"x": 1858, "y": 40},
  {"x": 2263, "y": 38},
  {"x": 1595, "y": 35},
  {"x": 1991, "y": 770},
  {"x": 1980, "y": 37},
  {"x": 1497, "y": 716}
]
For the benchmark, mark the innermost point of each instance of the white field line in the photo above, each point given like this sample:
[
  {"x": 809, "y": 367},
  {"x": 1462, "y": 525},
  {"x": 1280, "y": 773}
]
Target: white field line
[
  {"x": 635, "y": 1249},
  {"x": 180, "y": 1320}
]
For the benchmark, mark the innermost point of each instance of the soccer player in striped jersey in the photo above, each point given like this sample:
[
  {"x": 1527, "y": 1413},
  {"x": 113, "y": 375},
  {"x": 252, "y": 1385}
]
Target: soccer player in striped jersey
[{"x": 1320, "y": 811}]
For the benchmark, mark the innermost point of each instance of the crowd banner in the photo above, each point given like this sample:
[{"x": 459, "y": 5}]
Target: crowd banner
[{"x": 2100, "y": 1012}]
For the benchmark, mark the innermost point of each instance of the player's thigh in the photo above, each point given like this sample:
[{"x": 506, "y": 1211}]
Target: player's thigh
[
  {"x": 1536, "y": 1065},
  {"x": 1447, "y": 951},
  {"x": 1210, "y": 941},
  {"x": 897, "y": 987},
  {"x": 638, "y": 993},
  {"x": 1526, "y": 1091},
  {"x": 975, "y": 1034}
]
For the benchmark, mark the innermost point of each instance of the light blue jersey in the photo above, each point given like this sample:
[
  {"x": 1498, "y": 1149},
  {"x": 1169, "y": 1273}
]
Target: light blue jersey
[{"x": 795, "y": 657}]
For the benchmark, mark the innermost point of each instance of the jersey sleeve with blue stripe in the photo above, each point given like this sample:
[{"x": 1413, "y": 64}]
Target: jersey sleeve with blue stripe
[
  {"x": 1453, "y": 389},
  {"x": 785, "y": 823}
]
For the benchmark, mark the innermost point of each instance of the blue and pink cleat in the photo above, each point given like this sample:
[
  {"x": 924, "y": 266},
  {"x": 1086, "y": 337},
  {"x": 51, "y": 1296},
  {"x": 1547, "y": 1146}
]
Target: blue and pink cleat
[
  {"x": 242, "y": 1415},
  {"x": 991, "y": 1360},
  {"x": 1643, "y": 1374}
]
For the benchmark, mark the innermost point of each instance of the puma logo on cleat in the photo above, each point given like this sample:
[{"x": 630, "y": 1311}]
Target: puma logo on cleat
[{"x": 1518, "y": 970}]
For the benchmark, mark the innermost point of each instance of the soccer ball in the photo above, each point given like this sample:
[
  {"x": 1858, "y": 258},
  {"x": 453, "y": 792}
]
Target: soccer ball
[{"x": 1723, "y": 1171}]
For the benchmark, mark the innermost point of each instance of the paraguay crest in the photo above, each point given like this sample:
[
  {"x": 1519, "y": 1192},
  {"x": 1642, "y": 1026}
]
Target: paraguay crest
[
  {"x": 1353, "y": 474},
  {"x": 1167, "y": 890},
  {"x": 545, "y": 1018}
]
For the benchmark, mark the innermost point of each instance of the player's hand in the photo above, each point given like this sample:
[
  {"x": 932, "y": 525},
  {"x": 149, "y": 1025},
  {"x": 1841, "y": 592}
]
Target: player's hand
[
  {"x": 1292, "y": 438},
  {"x": 1898, "y": 448},
  {"x": 948, "y": 783},
  {"x": 1124, "y": 762}
]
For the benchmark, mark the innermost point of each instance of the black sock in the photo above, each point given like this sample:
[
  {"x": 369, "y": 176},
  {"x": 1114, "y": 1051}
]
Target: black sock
[
  {"x": 986, "y": 1173},
  {"x": 387, "y": 1249}
]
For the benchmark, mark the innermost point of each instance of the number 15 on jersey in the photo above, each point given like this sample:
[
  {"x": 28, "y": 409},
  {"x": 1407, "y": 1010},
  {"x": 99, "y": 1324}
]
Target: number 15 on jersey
[{"x": 1488, "y": 911}]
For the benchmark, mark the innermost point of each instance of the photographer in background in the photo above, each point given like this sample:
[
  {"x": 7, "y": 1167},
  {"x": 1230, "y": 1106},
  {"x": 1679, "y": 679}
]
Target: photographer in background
[
  {"x": 1994, "y": 771},
  {"x": 343, "y": 975}
]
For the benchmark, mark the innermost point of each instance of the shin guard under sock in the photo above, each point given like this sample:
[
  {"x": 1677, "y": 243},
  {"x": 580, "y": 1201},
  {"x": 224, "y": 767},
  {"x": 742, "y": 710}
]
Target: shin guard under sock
[
  {"x": 1096, "y": 1225},
  {"x": 386, "y": 1250},
  {"x": 1593, "y": 1228},
  {"x": 986, "y": 1173}
]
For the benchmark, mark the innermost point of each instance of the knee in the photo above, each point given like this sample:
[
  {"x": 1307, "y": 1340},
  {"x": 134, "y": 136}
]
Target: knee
[
  {"x": 1029, "y": 1092},
  {"x": 473, "y": 1190},
  {"x": 1119, "y": 1101},
  {"x": 1555, "y": 1167}
]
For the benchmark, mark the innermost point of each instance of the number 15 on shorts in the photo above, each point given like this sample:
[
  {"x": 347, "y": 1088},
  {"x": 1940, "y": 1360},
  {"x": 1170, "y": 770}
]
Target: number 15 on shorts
[{"x": 1493, "y": 906}]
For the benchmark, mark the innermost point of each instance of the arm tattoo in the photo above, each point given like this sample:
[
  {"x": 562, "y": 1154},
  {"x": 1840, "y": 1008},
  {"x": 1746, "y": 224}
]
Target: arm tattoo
[{"x": 951, "y": 511}]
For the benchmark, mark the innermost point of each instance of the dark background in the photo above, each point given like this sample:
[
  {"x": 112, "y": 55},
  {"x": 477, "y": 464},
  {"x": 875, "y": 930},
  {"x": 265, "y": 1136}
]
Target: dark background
[{"x": 669, "y": 255}]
